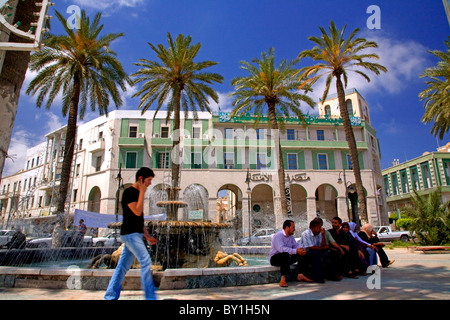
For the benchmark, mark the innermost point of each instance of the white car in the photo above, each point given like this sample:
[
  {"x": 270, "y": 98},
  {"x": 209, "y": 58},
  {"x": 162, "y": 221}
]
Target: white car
[
  {"x": 107, "y": 241},
  {"x": 5, "y": 237},
  {"x": 259, "y": 237},
  {"x": 47, "y": 242}
]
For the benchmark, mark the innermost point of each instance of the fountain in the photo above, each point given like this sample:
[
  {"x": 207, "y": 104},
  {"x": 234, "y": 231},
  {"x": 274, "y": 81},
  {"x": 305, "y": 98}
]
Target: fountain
[{"x": 182, "y": 244}]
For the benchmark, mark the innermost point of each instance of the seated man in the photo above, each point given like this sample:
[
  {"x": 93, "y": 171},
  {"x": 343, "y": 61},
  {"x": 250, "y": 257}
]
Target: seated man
[
  {"x": 346, "y": 263},
  {"x": 314, "y": 242},
  {"x": 285, "y": 251}
]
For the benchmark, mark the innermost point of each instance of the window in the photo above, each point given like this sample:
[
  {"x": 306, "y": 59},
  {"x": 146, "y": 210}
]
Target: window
[
  {"x": 100, "y": 136},
  {"x": 426, "y": 176},
  {"x": 163, "y": 160},
  {"x": 196, "y": 160},
  {"x": 386, "y": 185},
  {"x": 261, "y": 161},
  {"x": 98, "y": 164},
  {"x": 228, "y": 133},
  {"x": 349, "y": 162},
  {"x": 164, "y": 132},
  {"x": 80, "y": 144},
  {"x": 290, "y": 134},
  {"x": 414, "y": 178},
  {"x": 320, "y": 135},
  {"x": 327, "y": 110},
  {"x": 131, "y": 160},
  {"x": 292, "y": 161},
  {"x": 323, "y": 161},
  {"x": 196, "y": 132},
  {"x": 77, "y": 170},
  {"x": 73, "y": 200},
  {"x": 228, "y": 160},
  {"x": 260, "y": 134},
  {"x": 132, "y": 132},
  {"x": 394, "y": 184},
  {"x": 349, "y": 107},
  {"x": 404, "y": 181}
]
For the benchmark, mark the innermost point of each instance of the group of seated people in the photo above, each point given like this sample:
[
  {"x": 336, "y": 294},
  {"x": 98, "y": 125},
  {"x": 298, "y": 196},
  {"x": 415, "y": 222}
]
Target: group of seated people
[{"x": 326, "y": 254}]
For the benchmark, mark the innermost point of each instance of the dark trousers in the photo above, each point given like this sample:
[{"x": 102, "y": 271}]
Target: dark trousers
[
  {"x": 312, "y": 266},
  {"x": 284, "y": 261}
]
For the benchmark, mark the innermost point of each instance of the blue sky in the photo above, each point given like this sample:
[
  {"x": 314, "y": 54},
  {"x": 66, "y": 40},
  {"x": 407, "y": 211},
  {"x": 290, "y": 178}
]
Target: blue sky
[{"x": 235, "y": 30}]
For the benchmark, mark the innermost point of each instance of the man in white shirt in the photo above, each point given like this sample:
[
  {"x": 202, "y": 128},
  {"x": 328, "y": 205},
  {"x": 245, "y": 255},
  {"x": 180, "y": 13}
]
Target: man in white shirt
[
  {"x": 285, "y": 251},
  {"x": 313, "y": 240}
]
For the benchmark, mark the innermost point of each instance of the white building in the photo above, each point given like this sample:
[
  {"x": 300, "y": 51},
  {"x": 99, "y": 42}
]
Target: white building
[{"x": 215, "y": 153}]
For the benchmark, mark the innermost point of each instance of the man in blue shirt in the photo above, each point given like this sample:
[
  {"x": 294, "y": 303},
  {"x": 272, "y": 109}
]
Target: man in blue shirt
[{"x": 285, "y": 251}]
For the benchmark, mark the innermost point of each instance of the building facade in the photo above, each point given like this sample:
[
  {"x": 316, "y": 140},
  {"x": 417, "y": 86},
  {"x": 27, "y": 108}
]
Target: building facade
[
  {"x": 424, "y": 174},
  {"x": 216, "y": 153}
]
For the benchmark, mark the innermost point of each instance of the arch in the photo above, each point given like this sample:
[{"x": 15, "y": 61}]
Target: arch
[
  {"x": 326, "y": 203},
  {"x": 94, "y": 199},
  {"x": 298, "y": 205},
  {"x": 262, "y": 207},
  {"x": 157, "y": 193},
  {"x": 197, "y": 198},
  {"x": 327, "y": 110},
  {"x": 229, "y": 210}
]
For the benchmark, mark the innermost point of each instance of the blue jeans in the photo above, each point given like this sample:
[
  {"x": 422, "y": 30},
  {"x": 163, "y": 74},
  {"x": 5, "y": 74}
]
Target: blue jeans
[
  {"x": 372, "y": 256},
  {"x": 134, "y": 248}
]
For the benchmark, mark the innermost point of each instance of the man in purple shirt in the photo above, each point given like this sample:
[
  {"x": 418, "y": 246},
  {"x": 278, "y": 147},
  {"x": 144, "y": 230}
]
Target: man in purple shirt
[{"x": 285, "y": 251}]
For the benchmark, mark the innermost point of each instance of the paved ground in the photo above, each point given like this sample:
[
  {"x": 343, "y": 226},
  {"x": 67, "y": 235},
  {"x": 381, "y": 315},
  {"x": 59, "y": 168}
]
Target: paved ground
[{"x": 412, "y": 276}]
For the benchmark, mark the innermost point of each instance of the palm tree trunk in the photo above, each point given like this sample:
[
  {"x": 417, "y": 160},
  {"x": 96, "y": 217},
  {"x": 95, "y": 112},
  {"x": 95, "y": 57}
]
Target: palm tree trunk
[
  {"x": 15, "y": 65},
  {"x": 69, "y": 148},
  {"x": 172, "y": 211},
  {"x": 281, "y": 174},
  {"x": 353, "y": 151}
]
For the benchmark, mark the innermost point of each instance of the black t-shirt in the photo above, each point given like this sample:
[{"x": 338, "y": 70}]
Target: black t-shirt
[
  {"x": 131, "y": 222},
  {"x": 341, "y": 238}
]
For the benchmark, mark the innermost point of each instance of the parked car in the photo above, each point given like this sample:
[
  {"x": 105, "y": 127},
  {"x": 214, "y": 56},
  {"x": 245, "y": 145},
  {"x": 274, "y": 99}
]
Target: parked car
[
  {"x": 259, "y": 237},
  {"x": 107, "y": 241},
  {"x": 67, "y": 242},
  {"x": 385, "y": 233},
  {"x": 5, "y": 237}
]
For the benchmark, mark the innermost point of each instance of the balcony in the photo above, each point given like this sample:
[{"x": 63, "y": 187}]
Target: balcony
[
  {"x": 132, "y": 142},
  {"x": 96, "y": 145}
]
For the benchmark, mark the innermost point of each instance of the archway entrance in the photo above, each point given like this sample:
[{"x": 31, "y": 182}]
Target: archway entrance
[
  {"x": 94, "y": 199},
  {"x": 229, "y": 210},
  {"x": 326, "y": 203}
]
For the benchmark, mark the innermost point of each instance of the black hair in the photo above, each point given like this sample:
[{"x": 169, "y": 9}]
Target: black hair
[
  {"x": 287, "y": 224},
  {"x": 144, "y": 172},
  {"x": 338, "y": 219},
  {"x": 314, "y": 222}
]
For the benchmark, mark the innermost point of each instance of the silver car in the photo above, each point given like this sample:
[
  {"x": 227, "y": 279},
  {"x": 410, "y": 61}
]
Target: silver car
[{"x": 259, "y": 237}]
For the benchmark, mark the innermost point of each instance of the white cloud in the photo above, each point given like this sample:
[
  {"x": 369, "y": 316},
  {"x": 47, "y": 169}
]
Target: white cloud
[
  {"x": 404, "y": 60},
  {"x": 19, "y": 145},
  {"x": 225, "y": 102},
  {"x": 108, "y": 4}
]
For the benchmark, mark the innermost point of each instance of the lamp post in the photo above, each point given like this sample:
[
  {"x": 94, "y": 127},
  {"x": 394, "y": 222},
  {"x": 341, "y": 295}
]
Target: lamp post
[
  {"x": 119, "y": 187},
  {"x": 348, "y": 188},
  {"x": 249, "y": 192}
]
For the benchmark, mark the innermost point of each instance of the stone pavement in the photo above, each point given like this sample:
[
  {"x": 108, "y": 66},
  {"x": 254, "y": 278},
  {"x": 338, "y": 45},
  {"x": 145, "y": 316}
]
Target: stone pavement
[{"x": 413, "y": 276}]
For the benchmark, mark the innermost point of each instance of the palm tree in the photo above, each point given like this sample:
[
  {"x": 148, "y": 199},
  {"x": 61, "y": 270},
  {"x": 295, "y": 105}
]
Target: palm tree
[
  {"x": 430, "y": 218},
  {"x": 82, "y": 67},
  {"x": 437, "y": 94},
  {"x": 176, "y": 78},
  {"x": 274, "y": 88},
  {"x": 336, "y": 57}
]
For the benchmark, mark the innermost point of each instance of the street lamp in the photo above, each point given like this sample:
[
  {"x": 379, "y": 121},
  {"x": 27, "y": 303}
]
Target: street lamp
[
  {"x": 119, "y": 187},
  {"x": 249, "y": 192},
  {"x": 348, "y": 189}
]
